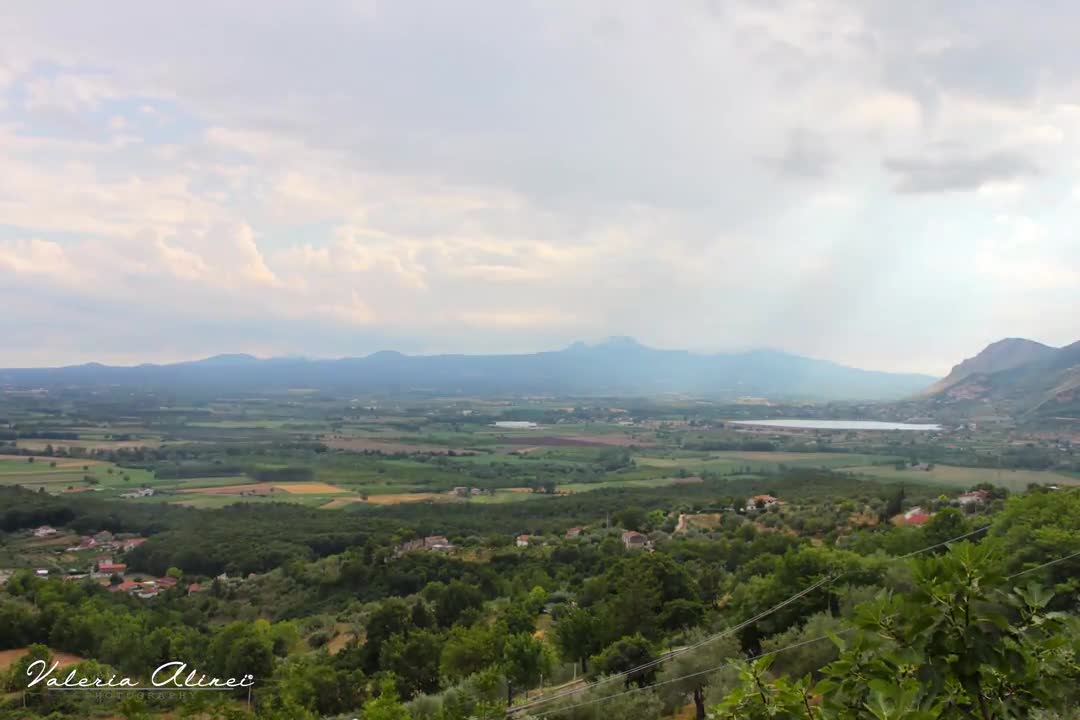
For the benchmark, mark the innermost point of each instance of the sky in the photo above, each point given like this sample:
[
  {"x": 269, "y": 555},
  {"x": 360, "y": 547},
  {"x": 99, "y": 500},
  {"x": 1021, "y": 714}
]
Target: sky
[{"x": 887, "y": 185}]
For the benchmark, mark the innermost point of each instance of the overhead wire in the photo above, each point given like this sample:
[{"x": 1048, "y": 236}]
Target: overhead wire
[
  {"x": 727, "y": 632},
  {"x": 793, "y": 646}
]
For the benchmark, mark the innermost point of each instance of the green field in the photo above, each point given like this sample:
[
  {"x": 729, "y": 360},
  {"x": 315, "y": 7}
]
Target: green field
[
  {"x": 105, "y": 477},
  {"x": 965, "y": 477},
  {"x": 760, "y": 461}
]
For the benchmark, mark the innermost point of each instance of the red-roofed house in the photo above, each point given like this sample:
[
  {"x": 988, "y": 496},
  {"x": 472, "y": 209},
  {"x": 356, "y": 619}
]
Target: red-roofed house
[
  {"x": 522, "y": 541},
  {"x": 166, "y": 582},
  {"x": 126, "y": 586},
  {"x": 194, "y": 588},
  {"x": 111, "y": 567},
  {"x": 915, "y": 516},
  {"x": 633, "y": 540}
]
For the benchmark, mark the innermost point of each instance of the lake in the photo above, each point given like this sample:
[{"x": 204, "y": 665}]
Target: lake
[{"x": 839, "y": 424}]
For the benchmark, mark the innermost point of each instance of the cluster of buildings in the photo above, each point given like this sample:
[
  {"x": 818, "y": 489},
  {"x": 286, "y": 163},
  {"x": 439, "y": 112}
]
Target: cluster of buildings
[
  {"x": 462, "y": 491},
  {"x": 144, "y": 492},
  {"x": 105, "y": 541},
  {"x": 145, "y": 589},
  {"x": 112, "y": 575},
  {"x": 920, "y": 516},
  {"x": 438, "y": 543}
]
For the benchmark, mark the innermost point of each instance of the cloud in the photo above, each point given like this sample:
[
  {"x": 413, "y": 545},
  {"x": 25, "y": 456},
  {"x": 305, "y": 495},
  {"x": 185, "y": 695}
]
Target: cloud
[
  {"x": 934, "y": 173},
  {"x": 805, "y": 155},
  {"x": 512, "y": 176}
]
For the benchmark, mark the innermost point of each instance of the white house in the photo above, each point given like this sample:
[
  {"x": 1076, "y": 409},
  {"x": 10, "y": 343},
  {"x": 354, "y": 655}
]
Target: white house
[{"x": 766, "y": 501}]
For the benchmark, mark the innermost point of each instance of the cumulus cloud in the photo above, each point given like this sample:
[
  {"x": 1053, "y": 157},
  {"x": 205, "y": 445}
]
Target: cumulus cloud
[{"x": 504, "y": 176}]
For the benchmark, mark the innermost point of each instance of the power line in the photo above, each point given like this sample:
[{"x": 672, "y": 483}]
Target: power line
[
  {"x": 772, "y": 652},
  {"x": 944, "y": 543},
  {"x": 675, "y": 653},
  {"x": 698, "y": 673},
  {"x": 1045, "y": 564},
  {"x": 725, "y": 633}
]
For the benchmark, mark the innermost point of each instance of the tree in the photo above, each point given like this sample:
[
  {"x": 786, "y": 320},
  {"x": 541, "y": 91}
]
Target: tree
[
  {"x": 454, "y": 599},
  {"x": 414, "y": 661},
  {"x": 634, "y": 607},
  {"x": 688, "y": 676},
  {"x": 681, "y": 614},
  {"x": 385, "y": 706},
  {"x": 579, "y": 635},
  {"x": 519, "y": 618},
  {"x": 895, "y": 505},
  {"x": 389, "y": 619},
  {"x": 17, "y": 677},
  {"x": 627, "y": 654},
  {"x": 525, "y": 660},
  {"x": 945, "y": 525},
  {"x": 964, "y": 644},
  {"x": 632, "y": 518},
  {"x": 467, "y": 651}
]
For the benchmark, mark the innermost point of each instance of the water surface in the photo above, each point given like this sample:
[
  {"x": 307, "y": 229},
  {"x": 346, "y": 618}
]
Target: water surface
[{"x": 840, "y": 424}]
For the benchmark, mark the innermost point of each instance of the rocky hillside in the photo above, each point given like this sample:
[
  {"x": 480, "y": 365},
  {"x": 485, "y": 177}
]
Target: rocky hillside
[
  {"x": 1016, "y": 377},
  {"x": 1001, "y": 355}
]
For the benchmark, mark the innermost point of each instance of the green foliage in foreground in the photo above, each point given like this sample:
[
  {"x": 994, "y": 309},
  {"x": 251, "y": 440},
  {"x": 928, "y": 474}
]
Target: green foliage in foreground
[{"x": 965, "y": 644}]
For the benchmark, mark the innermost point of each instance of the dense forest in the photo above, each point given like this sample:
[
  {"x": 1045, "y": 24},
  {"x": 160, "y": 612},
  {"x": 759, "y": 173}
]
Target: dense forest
[{"x": 716, "y": 618}]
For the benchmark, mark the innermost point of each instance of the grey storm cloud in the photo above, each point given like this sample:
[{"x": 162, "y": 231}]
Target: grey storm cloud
[
  {"x": 934, "y": 174},
  {"x": 351, "y": 175}
]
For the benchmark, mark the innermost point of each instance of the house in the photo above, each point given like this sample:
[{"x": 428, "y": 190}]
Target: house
[
  {"x": 761, "y": 501},
  {"x": 975, "y": 497},
  {"x": 431, "y": 542},
  {"x": 85, "y": 543},
  {"x": 461, "y": 491},
  {"x": 476, "y": 491},
  {"x": 574, "y": 532},
  {"x": 104, "y": 537},
  {"x": 915, "y": 516},
  {"x": 633, "y": 540},
  {"x": 194, "y": 588},
  {"x": 44, "y": 531},
  {"x": 133, "y": 543},
  {"x": 145, "y": 492},
  {"x": 522, "y": 541},
  {"x": 166, "y": 582},
  {"x": 111, "y": 567},
  {"x": 126, "y": 586},
  {"x": 41, "y": 572},
  {"x": 147, "y": 590}
]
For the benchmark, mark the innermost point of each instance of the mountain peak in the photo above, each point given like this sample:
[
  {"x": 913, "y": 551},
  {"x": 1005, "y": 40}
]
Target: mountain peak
[
  {"x": 620, "y": 342},
  {"x": 1004, "y": 354},
  {"x": 228, "y": 358},
  {"x": 611, "y": 343}
]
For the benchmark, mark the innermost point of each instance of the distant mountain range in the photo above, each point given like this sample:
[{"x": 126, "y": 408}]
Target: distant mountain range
[
  {"x": 619, "y": 365},
  {"x": 1015, "y": 377}
]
